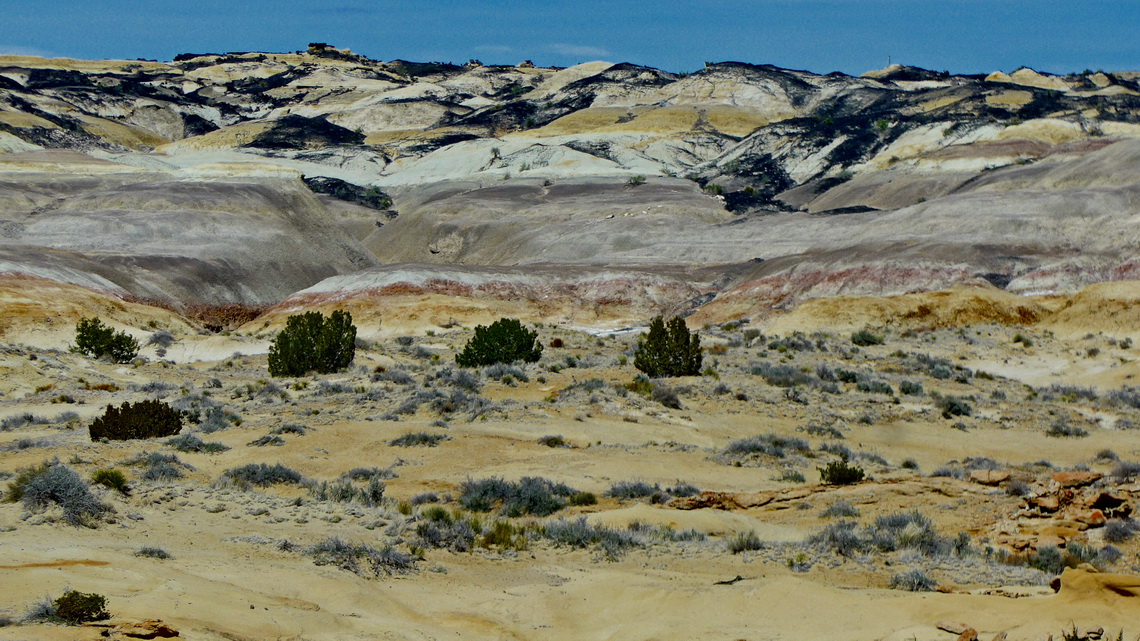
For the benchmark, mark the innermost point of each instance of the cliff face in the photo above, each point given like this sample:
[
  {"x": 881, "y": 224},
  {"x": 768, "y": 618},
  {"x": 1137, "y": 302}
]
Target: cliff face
[{"x": 182, "y": 181}]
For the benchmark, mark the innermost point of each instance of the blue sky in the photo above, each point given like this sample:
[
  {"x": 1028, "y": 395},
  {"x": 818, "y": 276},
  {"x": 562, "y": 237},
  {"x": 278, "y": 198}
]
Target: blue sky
[{"x": 852, "y": 36}]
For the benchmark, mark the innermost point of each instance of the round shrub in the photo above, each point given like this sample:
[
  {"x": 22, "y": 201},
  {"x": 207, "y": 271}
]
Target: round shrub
[
  {"x": 840, "y": 473},
  {"x": 504, "y": 341},
  {"x": 145, "y": 419},
  {"x": 111, "y": 479},
  {"x": 310, "y": 342},
  {"x": 668, "y": 350},
  {"x": 53, "y": 483},
  {"x": 80, "y": 607},
  {"x": 96, "y": 340}
]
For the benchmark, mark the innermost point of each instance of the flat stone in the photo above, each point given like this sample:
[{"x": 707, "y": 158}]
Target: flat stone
[
  {"x": 1076, "y": 478},
  {"x": 131, "y": 629},
  {"x": 952, "y": 627},
  {"x": 1094, "y": 518},
  {"x": 989, "y": 477},
  {"x": 1045, "y": 503}
]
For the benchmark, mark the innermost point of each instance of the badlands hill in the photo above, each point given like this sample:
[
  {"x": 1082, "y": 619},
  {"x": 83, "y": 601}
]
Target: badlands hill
[
  {"x": 607, "y": 191},
  {"x": 982, "y": 230}
]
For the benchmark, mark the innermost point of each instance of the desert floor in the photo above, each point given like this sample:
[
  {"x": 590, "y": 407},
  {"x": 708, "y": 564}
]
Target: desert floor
[{"x": 658, "y": 566}]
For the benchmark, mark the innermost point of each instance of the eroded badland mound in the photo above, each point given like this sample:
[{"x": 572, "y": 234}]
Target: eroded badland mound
[{"x": 931, "y": 278}]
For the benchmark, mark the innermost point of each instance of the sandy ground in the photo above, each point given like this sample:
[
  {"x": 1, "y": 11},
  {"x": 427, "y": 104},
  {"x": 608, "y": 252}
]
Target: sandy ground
[{"x": 231, "y": 578}]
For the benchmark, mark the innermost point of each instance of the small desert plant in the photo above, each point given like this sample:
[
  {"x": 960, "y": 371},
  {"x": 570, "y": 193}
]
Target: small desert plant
[
  {"x": 74, "y": 607},
  {"x": 96, "y": 340},
  {"x": 397, "y": 376},
  {"x": 151, "y": 552},
  {"x": 668, "y": 350},
  {"x": 158, "y": 466},
  {"x": 369, "y": 473},
  {"x": 161, "y": 338},
  {"x": 1126, "y": 470},
  {"x": 1061, "y": 428},
  {"x": 913, "y": 581},
  {"x": 503, "y": 372},
  {"x": 666, "y": 395},
  {"x": 414, "y": 439},
  {"x": 744, "y": 542},
  {"x": 361, "y": 559},
  {"x": 840, "y": 509},
  {"x": 20, "y": 420},
  {"x": 191, "y": 443},
  {"x": 842, "y": 538},
  {"x": 951, "y": 406},
  {"x": 872, "y": 386},
  {"x": 53, "y": 483},
  {"x": 1018, "y": 488},
  {"x": 1049, "y": 559},
  {"x": 503, "y": 535},
  {"x": 791, "y": 476},
  {"x": 263, "y": 475},
  {"x": 41, "y": 611},
  {"x": 310, "y": 342},
  {"x": 553, "y": 440},
  {"x": 840, "y": 473},
  {"x": 580, "y": 534},
  {"x": 144, "y": 419},
  {"x": 683, "y": 489},
  {"x": 343, "y": 491},
  {"x": 910, "y": 388},
  {"x": 782, "y": 375},
  {"x": 908, "y": 531},
  {"x": 268, "y": 439},
  {"x": 504, "y": 341},
  {"x": 530, "y": 495},
  {"x": 632, "y": 490},
  {"x": 457, "y": 535},
  {"x": 767, "y": 445},
  {"x": 865, "y": 337},
  {"x": 460, "y": 378},
  {"x": 111, "y": 479},
  {"x": 424, "y": 497},
  {"x": 1119, "y": 531},
  {"x": 583, "y": 498}
]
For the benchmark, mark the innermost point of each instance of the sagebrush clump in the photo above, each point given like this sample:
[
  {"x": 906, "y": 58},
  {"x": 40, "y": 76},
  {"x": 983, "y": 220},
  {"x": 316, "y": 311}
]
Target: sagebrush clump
[
  {"x": 53, "y": 483},
  {"x": 263, "y": 475},
  {"x": 530, "y": 495}
]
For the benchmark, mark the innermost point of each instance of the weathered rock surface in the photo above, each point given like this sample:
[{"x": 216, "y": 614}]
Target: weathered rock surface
[{"x": 181, "y": 181}]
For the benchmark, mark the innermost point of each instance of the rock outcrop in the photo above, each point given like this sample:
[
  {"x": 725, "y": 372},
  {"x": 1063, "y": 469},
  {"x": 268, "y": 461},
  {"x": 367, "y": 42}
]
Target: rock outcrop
[{"x": 186, "y": 181}]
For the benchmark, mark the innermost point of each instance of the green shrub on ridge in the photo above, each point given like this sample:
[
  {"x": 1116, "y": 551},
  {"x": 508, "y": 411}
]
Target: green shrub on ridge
[
  {"x": 310, "y": 342},
  {"x": 504, "y": 341},
  {"x": 97, "y": 340}
]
